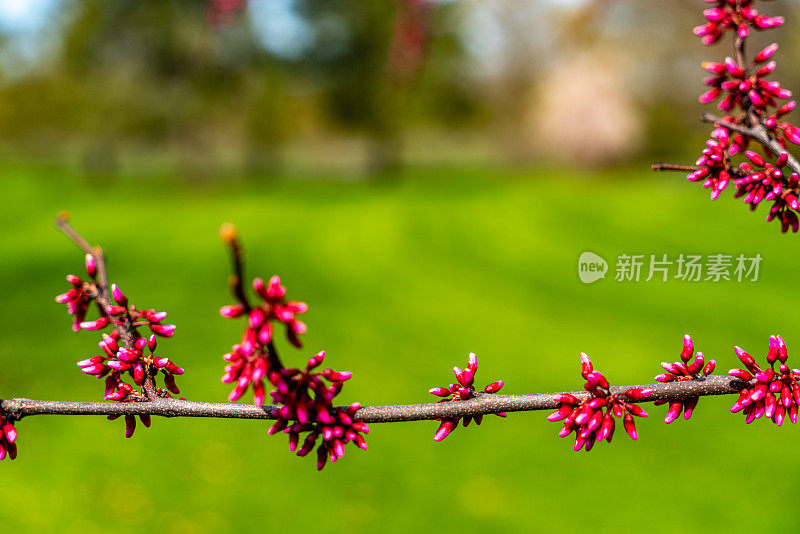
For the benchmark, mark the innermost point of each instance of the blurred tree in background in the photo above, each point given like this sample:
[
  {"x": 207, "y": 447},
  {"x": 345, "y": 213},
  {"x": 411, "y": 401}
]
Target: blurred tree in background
[
  {"x": 153, "y": 77},
  {"x": 137, "y": 86}
]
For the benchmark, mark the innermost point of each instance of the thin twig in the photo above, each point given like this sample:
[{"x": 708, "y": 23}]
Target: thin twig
[
  {"x": 230, "y": 236},
  {"x": 481, "y": 405},
  {"x": 658, "y": 166},
  {"x": 62, "y": 223}
]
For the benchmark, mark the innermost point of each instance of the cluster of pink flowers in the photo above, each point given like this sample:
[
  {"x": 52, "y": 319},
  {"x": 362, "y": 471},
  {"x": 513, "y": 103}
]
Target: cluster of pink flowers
[
  {"x": 135, "y": 362},
  {"x": 586, "y": 417},
  {"x": 306, "y": 406},
  {"x": 768, "y": 183},
  {"x": 733, "y": 15},
  {"x": 464, "y": 389},
  {"x": 750, "y": 100},
  {"x": 714, "y": 164},
  {"x": 743, "y": 87},
  {"x": 81, "y": 295},
  {"x": 684, "y": 370},
  {"x": 305, "y": 396},
  {"x": 8, "y": 438},
  {"x": 249, "y": 360},
  {"x": 137, "y": 359},
  {"x": 770, "y": 393}
]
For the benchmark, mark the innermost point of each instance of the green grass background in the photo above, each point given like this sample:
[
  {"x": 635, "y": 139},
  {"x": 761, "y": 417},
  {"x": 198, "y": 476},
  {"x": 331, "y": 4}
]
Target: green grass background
[{"x": 403, "y": 280}]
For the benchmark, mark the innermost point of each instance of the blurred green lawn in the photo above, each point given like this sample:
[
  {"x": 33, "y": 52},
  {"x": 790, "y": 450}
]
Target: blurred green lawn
[{"x": 403, "y": 280}]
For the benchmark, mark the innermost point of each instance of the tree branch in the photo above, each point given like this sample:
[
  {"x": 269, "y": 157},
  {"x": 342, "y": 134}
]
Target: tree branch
[{"x": 481, "y": 405}]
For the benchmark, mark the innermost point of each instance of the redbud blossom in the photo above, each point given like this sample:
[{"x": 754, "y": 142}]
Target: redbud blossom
[
  {"x": 592, "y": 418},
  {"x": 714, "y": 163},
  {"x": 118, "y": 362},
  {"x": 78, "y": 299},
  {"x": 306, "y": 407},
  {"x": 249, "y": 361},
  {"x": 690, "y": 367},
  {"x": 769, "y": 393},
  {"x": 463, "y": 389},
  {"x": 734, "y": 16}
]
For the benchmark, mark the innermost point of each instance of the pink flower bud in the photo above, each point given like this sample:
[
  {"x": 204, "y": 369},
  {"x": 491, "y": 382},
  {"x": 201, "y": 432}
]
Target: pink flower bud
[
  {"x": 715, "y": 14},
  {"x": 635, "y": 409},
  {"x": 459, "y": 374},
  {"x": 115, "y": 310},
  {"x": 98, "y": 324},
  {"x": 586, "y": 365},
  {"x": 741, "y": 374},
  {"x": 472, "y": 362},
  {"x": 709, "y": 96},
  {"x": 118, "y": 295},
  {"x": 231, "y": 311},
  {"x": 638, "y": 393},
  {"x": 630, "y": 426},
  {"x": 130, "y": 425},
  {"x": 256, "y": 318},
  {"x": 164, "y": 330},
  {"x": 766, "y": 53},
  {"x": 565, "y": 398},
  {"x": 792, "y": 134},
  {"x": 697, "y": 364},
  {"x": 688, "y": 348},
  {"x": 673, "y": 412},
  {"x": 258, "y": 393},
  {"x": 297, "y": 307},
  {"x": 782, "y": 353},
  {"x": 335, "y": 376},
  {"x": 91, "y": 265},
  {"x": 744, "y": 357},
  {"x": 561, "y": 413},
  {"x": 755, "y": 158},
  {"x": 90, "y": 361},
  {"x": 688, "y": 407},
  {"x": 733, "y": 68},
  {"x": 95, "y": 369},
  {"x": 494, "y": 387},
  {"x": 444, "y": 429}
]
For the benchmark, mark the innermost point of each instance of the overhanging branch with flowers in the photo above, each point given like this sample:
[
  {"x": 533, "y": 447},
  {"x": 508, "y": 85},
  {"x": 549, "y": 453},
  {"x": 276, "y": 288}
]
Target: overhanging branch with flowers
[{"x": 753, "y": 114}]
